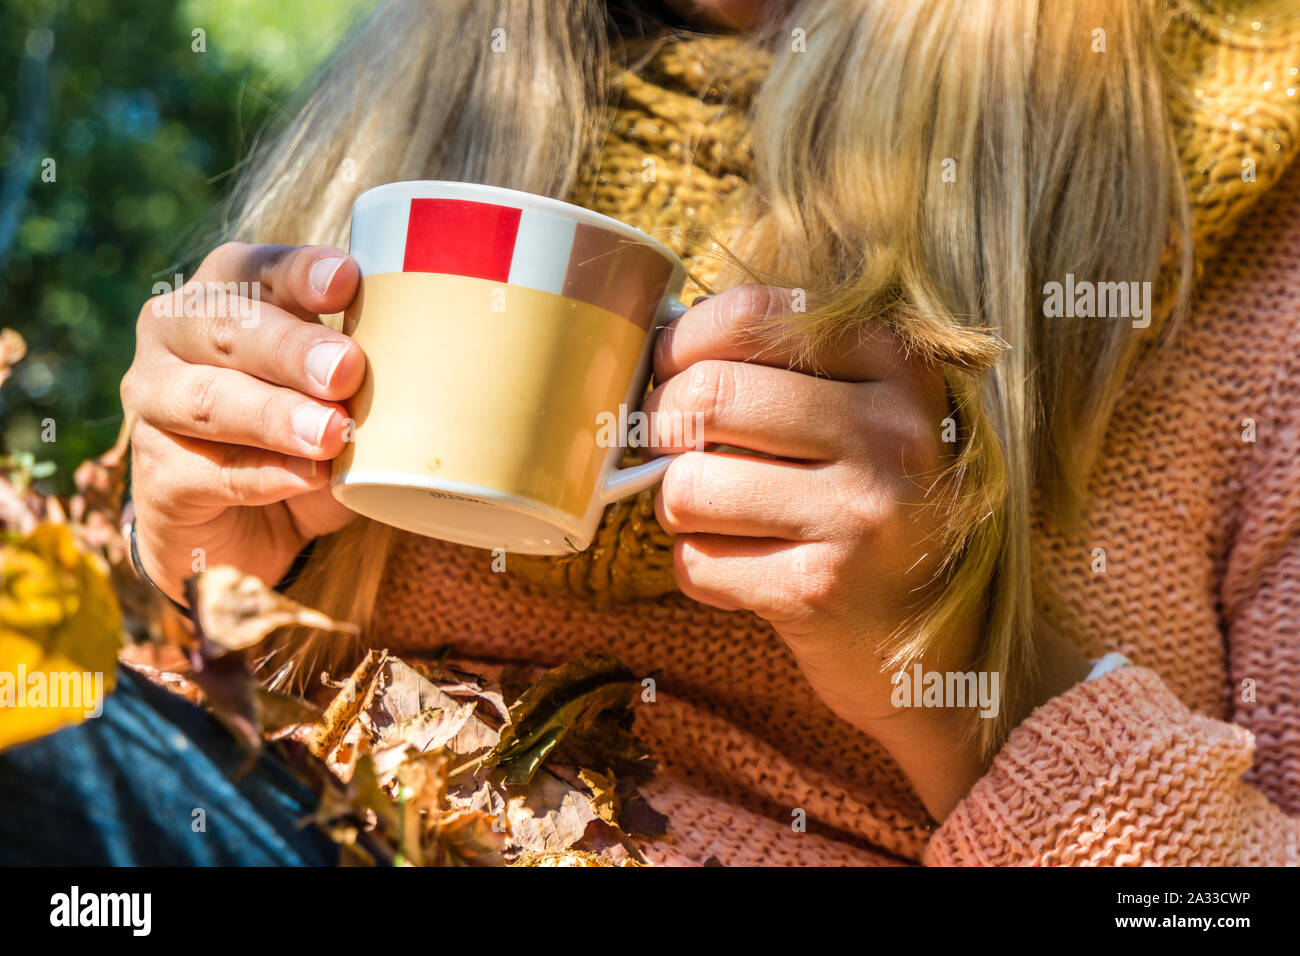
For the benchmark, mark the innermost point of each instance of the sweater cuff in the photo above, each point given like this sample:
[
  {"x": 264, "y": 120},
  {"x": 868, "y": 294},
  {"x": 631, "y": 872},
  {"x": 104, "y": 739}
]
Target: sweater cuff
[{"x": 1114, "y": 771}]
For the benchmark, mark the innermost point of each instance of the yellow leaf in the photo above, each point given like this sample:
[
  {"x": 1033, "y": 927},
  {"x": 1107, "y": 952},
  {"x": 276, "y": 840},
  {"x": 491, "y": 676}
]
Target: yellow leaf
[{"x": 60, "y": 630}]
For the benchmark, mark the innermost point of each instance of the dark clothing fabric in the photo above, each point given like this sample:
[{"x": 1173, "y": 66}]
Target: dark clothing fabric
[{"x": 123, "y": 790}]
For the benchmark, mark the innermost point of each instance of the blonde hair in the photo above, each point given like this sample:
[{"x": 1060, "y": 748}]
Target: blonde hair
[
  {"x": 418, "y": 93},
  {"x": 1064, "y": 163},
  {"x": 929, "y": 166}
]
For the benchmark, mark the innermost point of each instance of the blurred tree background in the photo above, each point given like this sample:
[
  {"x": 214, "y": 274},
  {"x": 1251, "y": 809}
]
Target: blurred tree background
[{"x": 121, "y": 122}]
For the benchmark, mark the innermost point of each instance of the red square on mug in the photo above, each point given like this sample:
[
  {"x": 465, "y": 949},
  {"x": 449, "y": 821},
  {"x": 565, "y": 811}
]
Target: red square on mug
[{"x": 459, "y": 237}]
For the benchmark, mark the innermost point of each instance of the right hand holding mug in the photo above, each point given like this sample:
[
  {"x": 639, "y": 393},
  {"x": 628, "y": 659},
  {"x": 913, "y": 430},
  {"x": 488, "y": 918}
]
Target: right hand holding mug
[{"x": 238, "y": 404}]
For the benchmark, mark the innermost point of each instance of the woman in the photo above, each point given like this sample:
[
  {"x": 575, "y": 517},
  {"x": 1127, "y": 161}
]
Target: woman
[{"x": 956, "y": 471}]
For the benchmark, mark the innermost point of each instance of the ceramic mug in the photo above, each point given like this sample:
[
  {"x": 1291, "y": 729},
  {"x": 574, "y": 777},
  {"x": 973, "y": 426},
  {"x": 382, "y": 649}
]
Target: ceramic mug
[{"x": 501, "y": 330}]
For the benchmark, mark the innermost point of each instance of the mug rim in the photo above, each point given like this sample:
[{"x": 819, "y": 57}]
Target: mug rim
[
  {"x": 412, "y": 189},
  {"x": 347, "y": 486}
]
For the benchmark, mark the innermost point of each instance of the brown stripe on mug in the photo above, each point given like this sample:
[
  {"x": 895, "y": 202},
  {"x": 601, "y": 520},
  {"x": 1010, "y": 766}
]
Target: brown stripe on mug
[{"x": 598, "y": 265}]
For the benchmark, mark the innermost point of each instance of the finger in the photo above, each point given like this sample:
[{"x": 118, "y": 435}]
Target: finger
[
  {"x": 774, "y": 411},
  {"x": 758, "y": 574},
  {"x": 306, "y": 281},
  {"x": 716, "y": 493},
  {"x": 222, "y": 405},
  {"x": 186, "y": 474},
  {"x": 277, "y": 347},
  {"x": 744, "y": 324}
]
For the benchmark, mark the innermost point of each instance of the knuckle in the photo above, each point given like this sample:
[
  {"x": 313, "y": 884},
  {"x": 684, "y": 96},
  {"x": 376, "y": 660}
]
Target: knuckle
[
  {"x": 688, "y": 561},
  {"x": 288, "y": 342},
  {"x": 748, "y": 301},
  {"x": 903, "y": 437},
  {"x": 273, "y": 263},
  {"x": 814, "y": 596},
  {"x": 128, "y": 389},
  {"x": 267, "y": 416},
  {"x": 679, "y": 491},
  {"x": 230, "y": 471},
  {"x": 917, "y": 443},
  {"x": 202, "y": 397},
  {"x": 164, "y": 305},
  {"x": 222, "y": 259},
  {"x": 225, "y": 255},
  {"x": 154, "y": 475},
  {"x": 222, "y": 331},
  {"x": 152, "y": 307},
  {"x": 811, "y": 592},
  {"x": 707, "y": 388},
  {"x": 143, "y": 448},
  {"x": 867, "y": 516}
]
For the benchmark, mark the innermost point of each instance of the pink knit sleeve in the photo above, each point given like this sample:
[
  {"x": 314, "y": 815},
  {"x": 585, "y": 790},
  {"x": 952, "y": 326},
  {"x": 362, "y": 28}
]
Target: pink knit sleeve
[
  {"x": 1117, "y": 770},
  {"x": 1114, "y": 772}
]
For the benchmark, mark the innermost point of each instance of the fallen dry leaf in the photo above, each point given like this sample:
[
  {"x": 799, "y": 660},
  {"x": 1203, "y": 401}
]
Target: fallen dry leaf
[
  {"x": 353, "y": 696},
  {"x": 550, "y": 816},
  {"x": 566, "y": 698},
  {"x": 235, "y": 611},
  {"x": 468, "y": 838},
  {"x": 230, "y": 612},
  {"x": 12, "y": 350},
  {"x": 458, "y": 714},
  {"x": 604, "y": 797}
]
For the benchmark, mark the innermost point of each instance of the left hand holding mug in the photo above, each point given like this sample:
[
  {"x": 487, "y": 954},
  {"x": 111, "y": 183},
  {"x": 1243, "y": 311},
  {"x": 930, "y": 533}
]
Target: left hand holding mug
[{"x": 833, "y": 539}]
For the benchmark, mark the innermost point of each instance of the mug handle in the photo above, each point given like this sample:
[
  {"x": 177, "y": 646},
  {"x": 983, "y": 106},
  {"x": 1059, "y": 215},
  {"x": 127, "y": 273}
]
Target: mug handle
[{"x": 622, "y": 482}]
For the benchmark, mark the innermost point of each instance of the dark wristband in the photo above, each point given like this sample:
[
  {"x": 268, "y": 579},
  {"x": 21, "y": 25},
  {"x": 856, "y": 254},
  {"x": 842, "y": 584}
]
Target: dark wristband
[
  {"x": 295, "y": 569},
  {"x": 128, "y": 516},
  {"x": 129, "y": 513}
]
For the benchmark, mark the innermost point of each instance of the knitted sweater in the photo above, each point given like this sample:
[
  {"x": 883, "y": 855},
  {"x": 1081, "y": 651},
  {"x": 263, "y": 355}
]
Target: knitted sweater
[{"x": 1192, "y": 756}]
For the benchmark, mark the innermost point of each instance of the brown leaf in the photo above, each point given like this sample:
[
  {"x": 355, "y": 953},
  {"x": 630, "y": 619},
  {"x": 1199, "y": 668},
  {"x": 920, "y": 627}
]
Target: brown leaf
[
  {"x": 409, "y": 708},
  {"x": 609, "y": 842},
  {"x": 451, "y": 680},
  {"x": 638, "y": 818},
  {"x": 402, "y": 828},
  {"x": 567, "y": 858},
  {"x": 469, "y": 839},
  {"x": 235, "y": 611},
  {"x": 353, "y": 696},
  {"x": 421, "y": 780},
  {"x": 167, "y": 679},
  {"x": 399, "y": 743},
  {"x": 604, "y": 798},
  {"x": 280, "y": 714},
  {"x": 232, "y": 611},
  {"x": 101, "y": 482},
  {"x": 468, "y": 791},
  {"x": 12, "y": 350},
  {"x": 230, "y": 693},
  {"x": 566, "y": 698},
  {"x": 550, "y": 816},
  {"x": 15, "y": 511}
]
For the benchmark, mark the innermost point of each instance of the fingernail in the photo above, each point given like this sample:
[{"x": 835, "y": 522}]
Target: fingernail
[
  {"x": 310, "y": 421},
  {"x": 322, "y": 273},
  {"x": 700, "y": 298},
  {"x": 323, "y": 361}
]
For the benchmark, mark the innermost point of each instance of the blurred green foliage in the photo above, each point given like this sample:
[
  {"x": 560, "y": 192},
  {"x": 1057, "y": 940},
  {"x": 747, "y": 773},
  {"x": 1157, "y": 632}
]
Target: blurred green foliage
[{"x": 120, "y": 126}]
